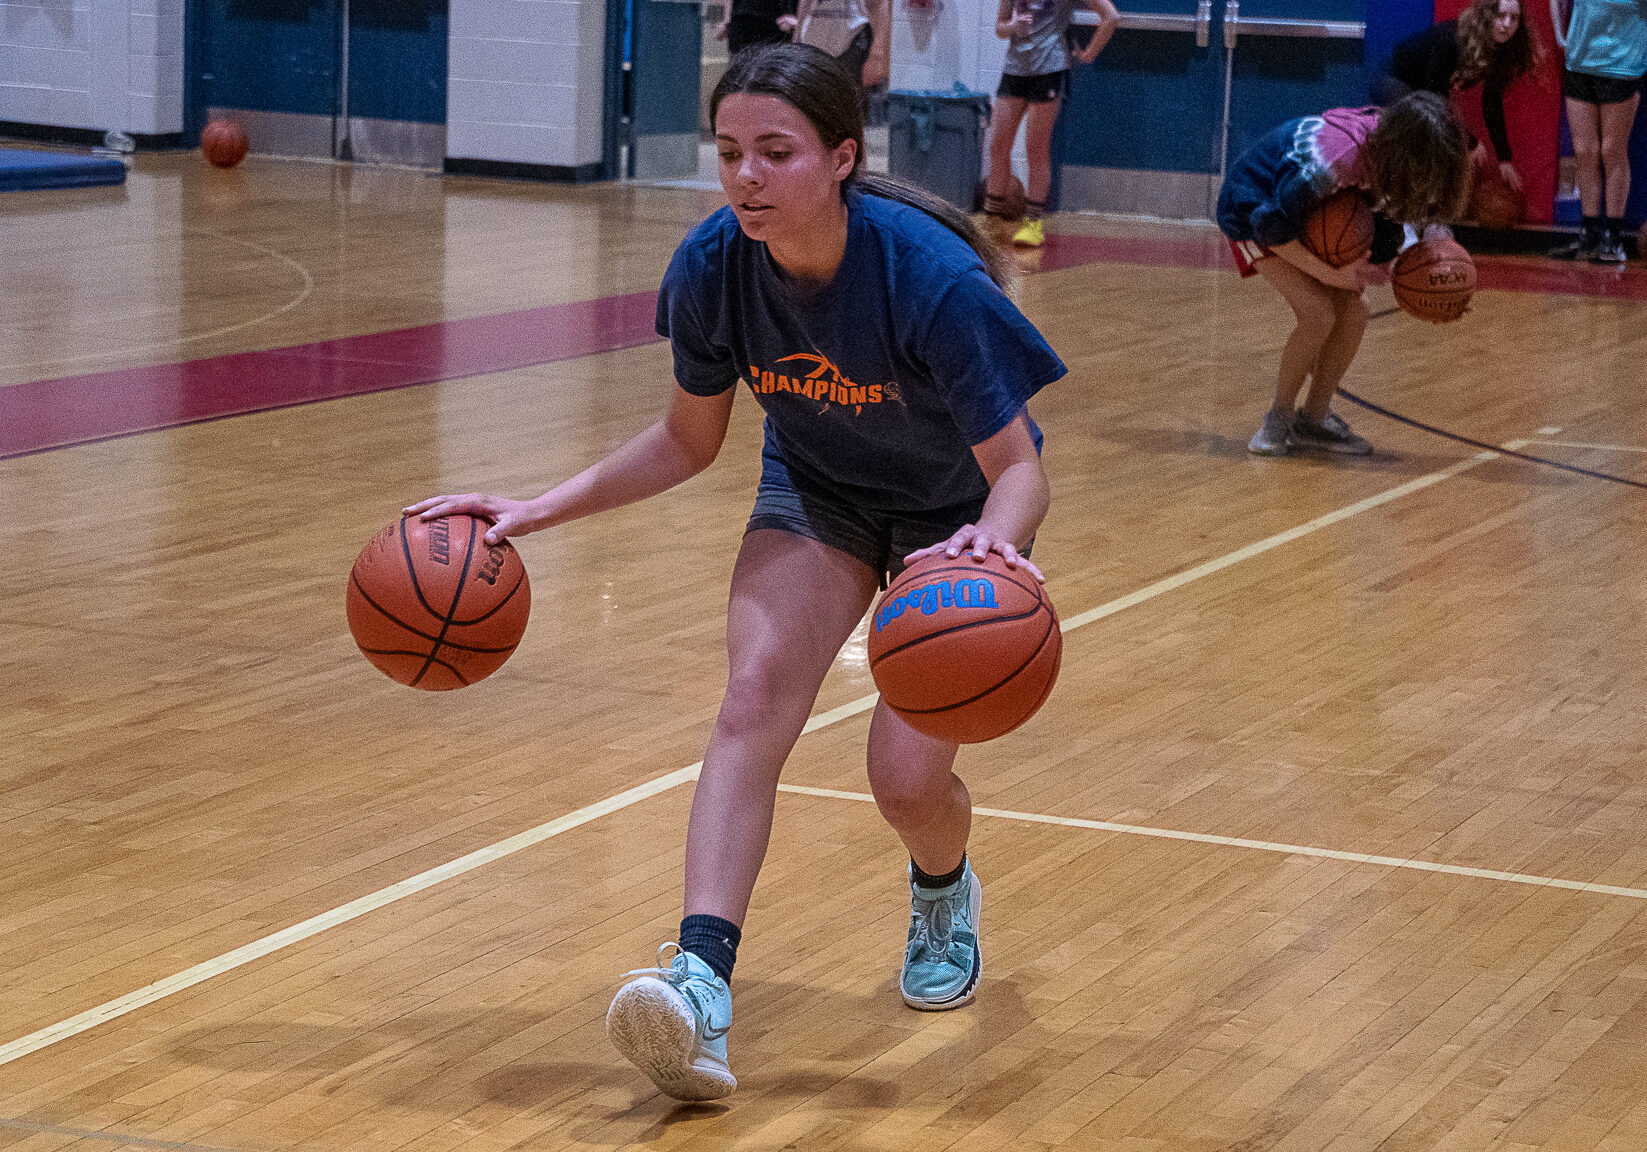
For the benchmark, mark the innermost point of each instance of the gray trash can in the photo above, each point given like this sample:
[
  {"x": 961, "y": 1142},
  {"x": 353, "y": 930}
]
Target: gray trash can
[{"x": 937, "y": 141}]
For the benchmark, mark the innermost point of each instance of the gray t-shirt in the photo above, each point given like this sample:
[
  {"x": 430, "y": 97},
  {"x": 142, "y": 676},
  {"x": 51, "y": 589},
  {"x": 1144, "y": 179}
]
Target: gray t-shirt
[{"x": 1042, "y": 49}]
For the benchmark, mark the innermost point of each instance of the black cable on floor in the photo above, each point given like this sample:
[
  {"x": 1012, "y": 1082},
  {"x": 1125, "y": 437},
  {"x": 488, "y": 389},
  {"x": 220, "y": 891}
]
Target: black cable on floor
[{"x": 1431, "y": 428}]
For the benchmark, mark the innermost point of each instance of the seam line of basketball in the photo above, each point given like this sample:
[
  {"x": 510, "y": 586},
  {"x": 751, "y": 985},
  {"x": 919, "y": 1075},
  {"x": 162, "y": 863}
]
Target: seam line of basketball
[{"x": 457, "y": 595}]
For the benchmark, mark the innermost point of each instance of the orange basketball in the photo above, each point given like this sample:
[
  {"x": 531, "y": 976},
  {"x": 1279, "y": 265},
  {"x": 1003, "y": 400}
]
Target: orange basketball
[
  {"x": 223, "y": 143},
  {"x": 964, "y": 651},
  {"x": 1434, "y": 280},
  {"x": 1494, "y": 204},
  {"x": 433, "y": 605},
  {"x": 1340, "y": 230}
]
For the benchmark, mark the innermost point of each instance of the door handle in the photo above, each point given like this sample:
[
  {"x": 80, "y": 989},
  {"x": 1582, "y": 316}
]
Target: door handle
[
  {"x": 1234, "y": 26},
  {"x": 1150, "y": 21}
]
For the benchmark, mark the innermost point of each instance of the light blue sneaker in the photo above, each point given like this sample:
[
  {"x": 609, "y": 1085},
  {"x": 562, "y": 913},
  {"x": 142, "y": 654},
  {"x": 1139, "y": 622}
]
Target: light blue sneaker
[
  {"x": 672, "y": 1022},
  {"x": 941, "y": 960}
]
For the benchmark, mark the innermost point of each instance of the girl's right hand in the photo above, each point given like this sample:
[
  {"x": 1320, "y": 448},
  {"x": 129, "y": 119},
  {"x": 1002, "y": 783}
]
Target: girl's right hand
[
  {"x": 508, "y": 517},
  {"x": 1367, "y": 273}
]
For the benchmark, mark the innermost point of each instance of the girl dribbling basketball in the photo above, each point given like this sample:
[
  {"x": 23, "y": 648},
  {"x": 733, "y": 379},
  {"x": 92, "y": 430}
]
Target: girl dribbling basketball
[
  {"x": 869, "y": 321},
  {"x": 1412, "y": 161}
]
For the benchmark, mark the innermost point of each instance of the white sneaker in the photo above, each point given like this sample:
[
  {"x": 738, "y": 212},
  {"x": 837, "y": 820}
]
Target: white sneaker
[{"x": 672, "y": 1022}]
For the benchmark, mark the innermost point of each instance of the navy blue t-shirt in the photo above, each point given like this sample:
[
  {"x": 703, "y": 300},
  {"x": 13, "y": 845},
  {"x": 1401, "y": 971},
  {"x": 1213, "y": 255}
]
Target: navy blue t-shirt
[{"x": 876, "y": 385}]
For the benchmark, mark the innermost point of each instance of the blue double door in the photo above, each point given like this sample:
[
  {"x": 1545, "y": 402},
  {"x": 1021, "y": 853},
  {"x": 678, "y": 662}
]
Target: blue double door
[
  {"x": 355, "y": 79},
  {"x": 1186, "y": 85}
]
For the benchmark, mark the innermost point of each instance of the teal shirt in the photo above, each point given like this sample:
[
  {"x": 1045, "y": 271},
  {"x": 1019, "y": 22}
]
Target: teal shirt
[{"x": 1608, "y": 38}]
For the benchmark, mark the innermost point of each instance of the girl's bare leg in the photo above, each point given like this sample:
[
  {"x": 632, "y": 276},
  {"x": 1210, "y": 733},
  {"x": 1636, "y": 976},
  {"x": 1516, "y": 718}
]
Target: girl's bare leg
[
  {"x": 1003, "y": 131},
  {"x": 794, "y": 602},
  {"x": 1312, "y": 305},
  {"x": 918, "y": 792}
]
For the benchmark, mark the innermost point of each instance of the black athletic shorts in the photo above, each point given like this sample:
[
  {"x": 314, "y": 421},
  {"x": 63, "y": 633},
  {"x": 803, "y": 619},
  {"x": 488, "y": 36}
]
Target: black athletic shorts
[
  {"x": 879, "y": 539},
  {"x": 1588, "y": 89},
  {"x": 1043, "y": 89}
]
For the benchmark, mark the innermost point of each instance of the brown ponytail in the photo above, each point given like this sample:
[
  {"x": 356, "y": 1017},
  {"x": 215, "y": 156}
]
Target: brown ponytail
[{"x": 814, "y": 84}]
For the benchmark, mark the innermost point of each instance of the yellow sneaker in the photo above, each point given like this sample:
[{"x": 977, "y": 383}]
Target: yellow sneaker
[{"x": 1031, "y": 234}]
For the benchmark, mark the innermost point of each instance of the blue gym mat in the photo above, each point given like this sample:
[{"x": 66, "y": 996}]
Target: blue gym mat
[{"x": 20, "y": 169}]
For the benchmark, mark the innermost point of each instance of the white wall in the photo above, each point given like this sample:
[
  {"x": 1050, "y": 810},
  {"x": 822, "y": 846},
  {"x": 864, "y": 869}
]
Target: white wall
[
  {"x": 525, "y": 81},
  {"x": 935, "y": 46},
  {"x": 97, "y": 64},
  {"x": 948, "y": 41}
]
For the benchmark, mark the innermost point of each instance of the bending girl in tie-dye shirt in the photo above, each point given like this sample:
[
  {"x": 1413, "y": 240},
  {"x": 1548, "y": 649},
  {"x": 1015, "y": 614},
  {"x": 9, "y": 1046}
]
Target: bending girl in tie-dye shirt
[{"x": 1411, "y": 160}]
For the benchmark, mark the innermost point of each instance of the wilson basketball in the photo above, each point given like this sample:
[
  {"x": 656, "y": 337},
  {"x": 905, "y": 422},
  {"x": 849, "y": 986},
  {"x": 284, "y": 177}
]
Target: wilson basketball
[
  {"x": 223, "y": 143},
  {"x": 964, "y": 651},
  {"x": 1434, "y": 280},
  {"x": 1340, "y": 231},
  {"x": 433, "y": 605},
  {"x": 1494, "y": 204}
]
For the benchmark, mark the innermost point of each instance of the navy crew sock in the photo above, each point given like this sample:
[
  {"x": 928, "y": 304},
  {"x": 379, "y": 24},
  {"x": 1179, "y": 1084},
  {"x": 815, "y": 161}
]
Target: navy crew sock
[
  {"x": 930, "y": 882},
  {"x": 712, "y": 940}
]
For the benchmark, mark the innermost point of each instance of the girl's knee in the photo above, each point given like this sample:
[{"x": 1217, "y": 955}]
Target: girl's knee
[
  {"x": 758, "y": 692},
  {"x": 1351, "y": 311},
  {"x": 1315, "y": 321},
  {"x": 906, "y": 798}
]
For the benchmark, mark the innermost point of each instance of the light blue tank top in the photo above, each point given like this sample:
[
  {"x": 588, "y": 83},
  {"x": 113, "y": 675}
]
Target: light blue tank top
[{"x": 1608, "y": 38}]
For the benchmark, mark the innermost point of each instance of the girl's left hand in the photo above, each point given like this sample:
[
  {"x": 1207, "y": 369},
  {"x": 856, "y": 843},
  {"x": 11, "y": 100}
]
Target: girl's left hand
[{"x": 979, "y": 542}]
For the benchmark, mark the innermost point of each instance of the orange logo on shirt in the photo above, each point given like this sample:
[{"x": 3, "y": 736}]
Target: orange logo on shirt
[{"x": 823, "y": 382}]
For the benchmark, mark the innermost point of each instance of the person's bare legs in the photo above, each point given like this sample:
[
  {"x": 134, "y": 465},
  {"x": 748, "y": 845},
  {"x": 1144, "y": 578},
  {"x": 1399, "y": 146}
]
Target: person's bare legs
[
  {"x": 1337, "y": 351},
  {"x": 1616, "y": 122},
  {"x": 1003, "y": 132},
  {"x": 918, "y": 793},
  {"x": 1042, "y": 118},
  {"x": 1317, "y": 316},
  {"x": 780, "y": 646},
  {"x": 1584, "y": 124}
]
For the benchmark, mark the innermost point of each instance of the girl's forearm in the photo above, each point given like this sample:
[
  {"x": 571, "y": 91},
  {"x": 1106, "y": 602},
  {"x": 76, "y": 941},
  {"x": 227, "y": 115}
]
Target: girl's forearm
[
  {"x": 1017, "y": 502},
  {"x": 1307, "y": 262},
  {"x": 653, "y": 462}
]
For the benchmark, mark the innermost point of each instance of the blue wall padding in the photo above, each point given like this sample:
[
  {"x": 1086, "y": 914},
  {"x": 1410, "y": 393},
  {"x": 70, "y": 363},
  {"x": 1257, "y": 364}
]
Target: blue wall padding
[
  {"x": 21, "y": 169},
  {"x": 1388, "y": 23}
]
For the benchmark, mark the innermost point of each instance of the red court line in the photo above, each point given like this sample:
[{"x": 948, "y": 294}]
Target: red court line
[{"x": 47, "y": 414}]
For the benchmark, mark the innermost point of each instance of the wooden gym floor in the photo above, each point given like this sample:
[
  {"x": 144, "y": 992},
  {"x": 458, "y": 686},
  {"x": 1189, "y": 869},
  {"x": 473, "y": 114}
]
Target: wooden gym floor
[{"x": 1329, "y": 839}]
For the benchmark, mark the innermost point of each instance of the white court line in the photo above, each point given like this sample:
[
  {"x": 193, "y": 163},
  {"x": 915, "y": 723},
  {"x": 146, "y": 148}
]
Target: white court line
[
  {"x": 1582, "y": 444},
  {"x": 1260, "y": 845},
  {"x": 1280, "y": 538},
  {"x": 246, "y": 953},
  {"x": 302, "y": 295},
  {"x": 257, "y": 949}
]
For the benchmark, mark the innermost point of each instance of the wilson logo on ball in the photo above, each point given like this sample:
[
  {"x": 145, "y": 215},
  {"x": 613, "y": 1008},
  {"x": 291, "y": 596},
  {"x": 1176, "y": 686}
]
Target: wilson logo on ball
[
  {"x": 440, "y": 542},
  {"x": 942, "y": 594},
  {"x": 492, "y": 565}
]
